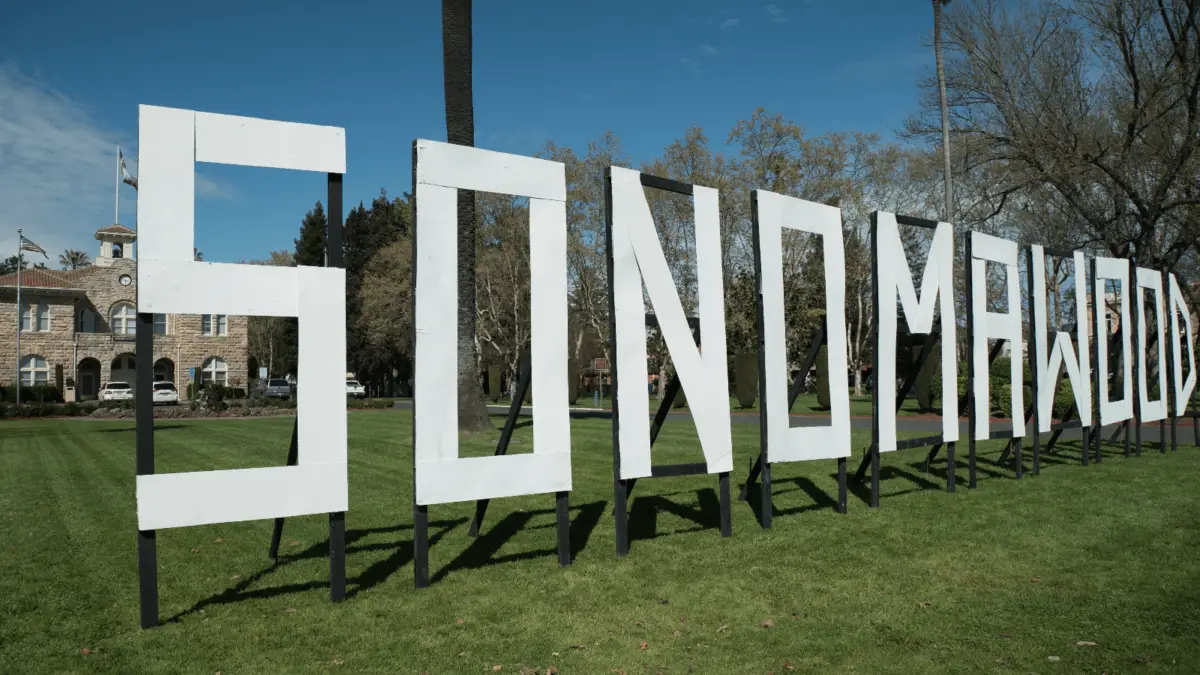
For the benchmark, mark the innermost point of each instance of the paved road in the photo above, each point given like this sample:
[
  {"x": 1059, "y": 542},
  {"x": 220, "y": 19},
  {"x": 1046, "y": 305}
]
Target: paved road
[{"x": 1150, "y": 430}]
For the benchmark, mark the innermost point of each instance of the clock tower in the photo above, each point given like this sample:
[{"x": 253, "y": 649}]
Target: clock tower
[{"x": 116, "y": 242}]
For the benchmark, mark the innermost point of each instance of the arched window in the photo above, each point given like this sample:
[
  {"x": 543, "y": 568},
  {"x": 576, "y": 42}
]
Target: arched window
[
  {"x": 215, "y": 371},
  {"x": 87, "y": 321},
  {"x": 123, "y": 319},
  {"x": 34, "y": 371},
  {"x": 35, "y": 317},
  {"x": 116, "y": 250}
]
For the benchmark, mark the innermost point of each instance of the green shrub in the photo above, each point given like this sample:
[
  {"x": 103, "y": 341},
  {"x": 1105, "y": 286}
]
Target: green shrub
[
  {"x": 42, "y": 393},
  {"x": 29, "y": 410},
  {"x": 117, "y": 405},
  {"x": 371, "y": 403}
]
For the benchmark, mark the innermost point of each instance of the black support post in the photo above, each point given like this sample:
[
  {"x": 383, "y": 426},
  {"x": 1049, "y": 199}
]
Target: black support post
[
  {"x": 876, "y": 398},
  {"x": 147, "y": 539},
  {"x": 337, "y": 521},
  {"x": 420, "y": 511},
  {"x": 620, "y": 495},
  {"x": 970, "y": 365},
  {"x": 277, "y": 531},
  {"x": 510, "y": 423},
  {"x": 1033, "y": 360}
]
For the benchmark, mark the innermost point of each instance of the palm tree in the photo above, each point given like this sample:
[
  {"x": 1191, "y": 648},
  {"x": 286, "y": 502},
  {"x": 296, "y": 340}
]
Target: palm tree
[
  {"x": 71, "y": 259},
  {"x": 460, "y": 130},
  {"x": 941, "y": 79}
]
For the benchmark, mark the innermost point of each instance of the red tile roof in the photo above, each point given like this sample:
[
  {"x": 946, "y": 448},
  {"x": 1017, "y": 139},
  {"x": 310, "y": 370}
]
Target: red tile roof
[
  {"x": 116, "y": 229},
  {"x": 38, "y": 278}
]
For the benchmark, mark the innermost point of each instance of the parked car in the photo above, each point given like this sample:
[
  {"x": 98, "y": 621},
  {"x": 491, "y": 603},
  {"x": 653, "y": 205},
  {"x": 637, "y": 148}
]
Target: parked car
[
  {"x": 278, "y": 388},
  {"x": 165, "y": 393},
  {"x": 116, "y": 391},
  {"x": 355, "y": 390}
]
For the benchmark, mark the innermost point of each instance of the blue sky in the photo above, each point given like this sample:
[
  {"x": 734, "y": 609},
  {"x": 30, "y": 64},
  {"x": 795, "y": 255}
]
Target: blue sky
[{"x": 72, "y": 75}]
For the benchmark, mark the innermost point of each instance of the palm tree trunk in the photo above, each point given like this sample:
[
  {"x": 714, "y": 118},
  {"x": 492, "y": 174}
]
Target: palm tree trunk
[
  {"x": 941, "y": 78},
  {"x": 460, "y": 130}
]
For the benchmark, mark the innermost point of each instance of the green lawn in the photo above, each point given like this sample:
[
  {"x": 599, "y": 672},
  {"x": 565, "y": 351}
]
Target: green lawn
[
  {"x": 997, "y": 579},
  {"x": 806, "y": 404}
]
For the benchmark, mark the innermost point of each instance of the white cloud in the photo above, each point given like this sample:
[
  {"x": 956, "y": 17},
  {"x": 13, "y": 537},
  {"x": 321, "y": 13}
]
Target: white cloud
[
  {"x": 57, "y": 168},
  {"x": 693, "y": 66},
  {"x": 775, "y": 14},
  {"x": 729, "y": 23},
  {"x": 710, "y": 50},
  {"x": 214, "y": 188}
]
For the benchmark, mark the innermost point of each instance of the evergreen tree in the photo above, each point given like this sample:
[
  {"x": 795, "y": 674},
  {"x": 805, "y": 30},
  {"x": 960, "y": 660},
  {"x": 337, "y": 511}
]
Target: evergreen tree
[
  {"x": 310, "y": 250},
  {"x": 367, "y": 232},
  {"x": 310, "y": 246}
]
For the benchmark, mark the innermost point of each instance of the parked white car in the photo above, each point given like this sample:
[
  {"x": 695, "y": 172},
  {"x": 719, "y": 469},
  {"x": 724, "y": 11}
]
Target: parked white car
[
  {"x": 116, "y": 391},
  {"x": 165, "y": 394},
  {"x": 355, "y": 390}
]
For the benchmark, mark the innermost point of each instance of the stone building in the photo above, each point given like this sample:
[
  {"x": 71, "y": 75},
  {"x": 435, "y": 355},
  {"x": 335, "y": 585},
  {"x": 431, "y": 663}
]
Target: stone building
[{"x": 80, "y": 324}]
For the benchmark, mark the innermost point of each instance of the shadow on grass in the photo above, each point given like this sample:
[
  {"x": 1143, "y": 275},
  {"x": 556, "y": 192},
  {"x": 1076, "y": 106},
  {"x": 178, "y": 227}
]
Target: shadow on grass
[
  {"x": 887, "y": 473},
  {"x": 820, "y": 498},
  {"x": 483, "y": 549},
  {"x": 643, "y": 514},
  {"x": 372, "y": 576}
]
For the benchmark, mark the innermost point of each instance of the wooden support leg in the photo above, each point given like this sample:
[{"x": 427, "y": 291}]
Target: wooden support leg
[
  {"x": 950, "y": 467},
  {"x": 563, "y": 528},
  {"x": 420, "y": 546},
  {"x": 148, "y": 577},
  {"x": 337, "y": 556},
  {"x": 765, "y": 506},
  {"x": 726, "y": 513},
  {"x": 841, "y": 485},
  {"x": 622, "y": 520}
]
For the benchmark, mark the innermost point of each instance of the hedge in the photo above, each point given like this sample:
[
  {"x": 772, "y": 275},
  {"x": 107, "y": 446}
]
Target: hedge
[
  {"x": 252, "y": 407},
  {"x": 42, "y": 393}
]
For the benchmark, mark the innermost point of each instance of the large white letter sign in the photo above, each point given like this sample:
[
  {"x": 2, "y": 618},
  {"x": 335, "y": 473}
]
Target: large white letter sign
[
  {"x": 1151, "y": 411},
  {"x": 638, "y": 257},
  {"x": 1006, "y": 326},
  {"x": 786, "y": 444},
  {"x": 1116, "y": 270},
  {"x": 1183, "y": 390},
  {"x": 441, "y": 475},
  {"x": 937, "y": 286},
  {"x": 170, "y": 142},
  {"x": 1062, "y": 354}
]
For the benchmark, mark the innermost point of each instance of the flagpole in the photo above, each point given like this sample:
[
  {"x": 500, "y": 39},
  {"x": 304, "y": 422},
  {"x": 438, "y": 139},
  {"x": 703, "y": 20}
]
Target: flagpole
[
  {"x": 117, "y": 190},
  {"x": 20, "y": 236}
]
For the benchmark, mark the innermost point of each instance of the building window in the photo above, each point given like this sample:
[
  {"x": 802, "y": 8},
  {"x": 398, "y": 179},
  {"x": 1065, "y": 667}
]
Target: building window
[
  {"x": 124, "y": 319},
  {"x": 34, "y": 371},
  {"x": 116, "y": 250},
  {"x": 35, "y": 317},
  {"x": 87, "y": 321},
  {"x": 215, "y": 371},
  {"x": 160, "y": 324},
  {"x": 213, "y": 324}
]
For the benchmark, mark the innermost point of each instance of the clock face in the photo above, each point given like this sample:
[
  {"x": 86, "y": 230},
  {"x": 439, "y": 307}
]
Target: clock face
[{"x": 125, "y": 280}]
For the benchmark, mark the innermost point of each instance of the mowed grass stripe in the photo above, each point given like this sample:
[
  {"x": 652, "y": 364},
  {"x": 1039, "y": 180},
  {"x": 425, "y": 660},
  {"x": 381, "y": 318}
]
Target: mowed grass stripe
[{"x": 931, "y": 582}]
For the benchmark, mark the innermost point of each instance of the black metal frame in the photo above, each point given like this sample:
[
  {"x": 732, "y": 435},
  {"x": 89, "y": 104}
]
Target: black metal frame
[
  {"x": 421, "y": 511},
  {"x": 760, "y": 468},
  {"x": 144, "y": 411},
  {"x": 1064, "y": 424},
  {"x": 1169, "y": 354},
  {"x": 871, "y": 457},
  {"x": 622, "y": 487}
]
